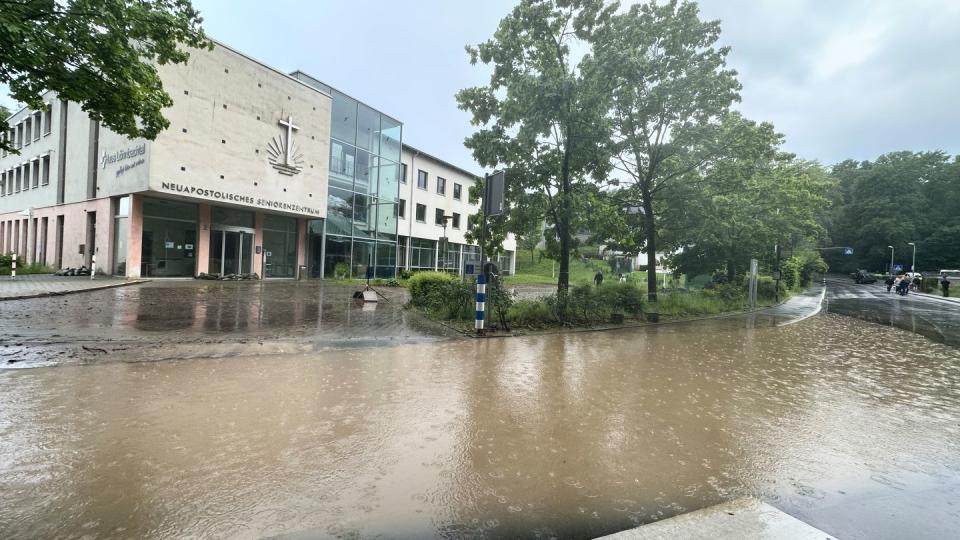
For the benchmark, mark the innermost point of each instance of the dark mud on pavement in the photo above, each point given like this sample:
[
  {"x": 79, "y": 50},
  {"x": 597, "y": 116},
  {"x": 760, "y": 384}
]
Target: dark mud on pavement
[
  {"x": 170, "y": 319},
  {"x": 851, "y": 426}
]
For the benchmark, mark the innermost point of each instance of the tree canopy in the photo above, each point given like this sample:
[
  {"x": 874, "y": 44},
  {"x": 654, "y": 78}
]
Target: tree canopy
[
  {"x": 99, "y": 53},
  {"x": 899, "y": 198},
  {"x": 539, "y": 116}
]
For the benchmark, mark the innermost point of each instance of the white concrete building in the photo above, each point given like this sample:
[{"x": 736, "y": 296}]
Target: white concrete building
[
  {"x": 431, "y": 188},
  {"x": 259, "y": 172}
]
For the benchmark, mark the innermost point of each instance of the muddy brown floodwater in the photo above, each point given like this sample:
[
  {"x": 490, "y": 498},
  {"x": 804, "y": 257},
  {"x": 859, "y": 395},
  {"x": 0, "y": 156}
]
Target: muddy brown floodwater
[{"x": 850, "y": 426}]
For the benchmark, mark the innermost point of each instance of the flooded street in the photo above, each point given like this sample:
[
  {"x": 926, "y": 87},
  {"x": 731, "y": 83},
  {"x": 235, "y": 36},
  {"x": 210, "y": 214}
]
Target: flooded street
[{"x": 851, "y": 426}]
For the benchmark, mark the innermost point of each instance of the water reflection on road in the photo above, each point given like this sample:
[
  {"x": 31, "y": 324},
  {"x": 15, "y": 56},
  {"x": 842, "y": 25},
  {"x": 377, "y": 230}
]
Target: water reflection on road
[{"x": 831, "y": 419}]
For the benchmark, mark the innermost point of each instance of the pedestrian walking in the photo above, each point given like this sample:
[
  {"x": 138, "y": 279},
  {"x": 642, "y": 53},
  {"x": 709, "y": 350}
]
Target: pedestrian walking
[
  {"x": 945, "y": 285},
  {"x": 598, "y": 278},
  {"x": 890, "y": 282},
  {"x": 917, "y": 282}
]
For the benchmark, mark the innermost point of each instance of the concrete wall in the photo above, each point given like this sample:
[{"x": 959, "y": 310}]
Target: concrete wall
[
  {"x": 74, "y": 233},
  {"x": 225, "y": 119}
]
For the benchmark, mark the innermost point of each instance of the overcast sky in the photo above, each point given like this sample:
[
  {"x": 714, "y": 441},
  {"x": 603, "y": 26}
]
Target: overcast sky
[{"x": 841, "y": 79}]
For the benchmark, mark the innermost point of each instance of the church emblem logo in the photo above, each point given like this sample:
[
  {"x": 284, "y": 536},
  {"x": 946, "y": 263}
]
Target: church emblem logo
[{"x": 283, "y": 155}]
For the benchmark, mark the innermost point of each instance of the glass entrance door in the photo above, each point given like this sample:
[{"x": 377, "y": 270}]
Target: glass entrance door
[{"x": 231, "y": 252}]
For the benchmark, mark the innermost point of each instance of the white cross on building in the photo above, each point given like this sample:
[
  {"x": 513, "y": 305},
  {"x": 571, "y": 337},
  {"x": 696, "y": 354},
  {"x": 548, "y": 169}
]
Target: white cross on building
[{"x": 288, "y": 123}]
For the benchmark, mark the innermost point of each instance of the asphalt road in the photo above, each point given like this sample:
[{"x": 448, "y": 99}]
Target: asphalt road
[{"x": 934, "y": 317}]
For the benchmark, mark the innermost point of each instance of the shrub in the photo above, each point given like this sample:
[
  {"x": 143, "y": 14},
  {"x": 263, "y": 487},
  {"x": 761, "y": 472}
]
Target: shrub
[
  {"x": 791, "y": 272},
  {"x": 441, "y": 295},
  {"x": 622, "y": 298},
  {"x": 530, "y": 313}
]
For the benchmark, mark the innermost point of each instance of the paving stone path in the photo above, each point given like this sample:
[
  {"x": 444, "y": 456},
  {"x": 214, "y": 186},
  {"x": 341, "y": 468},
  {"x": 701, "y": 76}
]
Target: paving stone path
[{"x": 37, "y": 285}]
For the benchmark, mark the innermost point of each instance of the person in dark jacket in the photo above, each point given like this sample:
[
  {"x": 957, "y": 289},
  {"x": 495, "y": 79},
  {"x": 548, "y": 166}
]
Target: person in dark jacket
[
  {"x": 598, "y": 278},
  {"x": 890, "y": 281},
  {"x": 945, "y": 285}
]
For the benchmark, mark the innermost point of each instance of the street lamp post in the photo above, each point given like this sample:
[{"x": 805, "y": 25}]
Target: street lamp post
[
  {"x": 891, "y": 259},
  {"x": 913, "y": 263},
  {"x": 444, "y": 241}
]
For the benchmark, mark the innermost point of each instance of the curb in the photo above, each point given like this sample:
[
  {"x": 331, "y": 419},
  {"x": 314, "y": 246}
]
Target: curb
[
  {"x": 570, "y": 330},
  {"x": 64, "y": 293}
]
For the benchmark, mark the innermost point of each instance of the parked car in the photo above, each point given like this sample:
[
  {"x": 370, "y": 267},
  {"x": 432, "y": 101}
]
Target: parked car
[{"x": 863, "y": 277}]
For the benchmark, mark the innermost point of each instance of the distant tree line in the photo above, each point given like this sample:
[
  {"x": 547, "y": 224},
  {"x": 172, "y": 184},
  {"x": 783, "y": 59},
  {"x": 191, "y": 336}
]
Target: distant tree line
[{"x": 900, "y": 197}]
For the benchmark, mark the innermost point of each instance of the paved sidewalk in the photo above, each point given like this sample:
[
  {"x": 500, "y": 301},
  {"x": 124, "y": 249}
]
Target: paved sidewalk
[
  {"x": 740, "y": 519},
  {"x": 38, "y": 285}
]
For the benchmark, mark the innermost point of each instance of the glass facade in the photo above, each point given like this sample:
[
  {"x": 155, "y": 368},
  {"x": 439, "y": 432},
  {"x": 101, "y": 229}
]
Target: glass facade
[
  {"x": 363, "y": 192},
  {"x": 169, "y": 239},
  {"x": 279, "y": 246}
]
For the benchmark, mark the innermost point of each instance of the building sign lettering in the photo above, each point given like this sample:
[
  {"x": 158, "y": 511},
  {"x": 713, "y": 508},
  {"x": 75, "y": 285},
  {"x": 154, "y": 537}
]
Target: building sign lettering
[
  {"x": 122, "y": 155},
  {"x": 238, "y": 198}
]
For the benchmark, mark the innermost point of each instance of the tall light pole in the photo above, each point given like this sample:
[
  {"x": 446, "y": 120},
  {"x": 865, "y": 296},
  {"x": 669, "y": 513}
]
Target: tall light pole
[
  {"x": 913, "y": 263},
  {"x": 891, "y": 259}
]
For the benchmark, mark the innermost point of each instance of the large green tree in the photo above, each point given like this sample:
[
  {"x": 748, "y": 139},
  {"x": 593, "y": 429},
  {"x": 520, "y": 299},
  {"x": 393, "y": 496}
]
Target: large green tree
[
  {"x": 540, "y": 116},
  {"x": 100, "y": 53},
  {"x": 670, "y": 87}
]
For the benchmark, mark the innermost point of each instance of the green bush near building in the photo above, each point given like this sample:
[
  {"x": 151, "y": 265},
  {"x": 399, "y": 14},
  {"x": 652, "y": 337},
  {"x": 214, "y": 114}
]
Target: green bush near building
[{"x": 6, "y": 263}]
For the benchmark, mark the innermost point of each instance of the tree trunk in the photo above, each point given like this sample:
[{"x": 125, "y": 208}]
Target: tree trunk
[
  {"x": 731, "y": 271},
  {"x": 651, "y": 241},
  {"x": 563, "y": 223}
]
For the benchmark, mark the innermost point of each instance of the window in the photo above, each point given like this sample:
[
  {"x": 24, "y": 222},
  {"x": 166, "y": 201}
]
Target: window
[
  {"x": 422, "y": 179},
  {"x": 441, "y": 186},
  {"x": 422, "y": 253},
  {"x": 19, "y": 172},
  {"x": 36, "y": 173},
  {"x": 26, "y": 131},
  {"x": 26, "y": 176},
  {"x": 422, "y": 213},
  {"x": 457, "y": 191},
  {"x": 456, "y": 220},
  {"x": 402, "y": 209},
  {"x": 48, "y": 119},
  {"x": 3, "y": 184},
  {"x": 438, "y": 217},
  {"x": 46, "y": 169},
  {"x": 403, "y": 173},
  {"x": 36, "y": 125},
  {"x": 20, "y": 135}
]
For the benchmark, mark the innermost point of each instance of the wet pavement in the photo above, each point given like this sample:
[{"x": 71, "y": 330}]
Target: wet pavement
[
  {"x": 850, "y": 426},
  {"x": 35, "y": 285},
  {"x": 176, "y": 319},
  {"x": 934, "y": 317}
]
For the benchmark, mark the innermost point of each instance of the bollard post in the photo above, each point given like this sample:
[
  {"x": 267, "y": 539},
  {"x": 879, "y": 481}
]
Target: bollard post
[
  {"x": 93, "y": 266},
  {"x": 13, "y": 267},
  {"x": 481, "y": 301}
]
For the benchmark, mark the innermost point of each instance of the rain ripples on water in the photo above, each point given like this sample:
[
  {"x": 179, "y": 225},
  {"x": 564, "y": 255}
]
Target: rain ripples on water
[{"x": 569, "y": 436}]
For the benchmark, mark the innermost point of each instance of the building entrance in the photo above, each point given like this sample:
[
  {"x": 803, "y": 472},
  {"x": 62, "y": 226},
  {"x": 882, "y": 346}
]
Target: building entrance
[{"x": 231, "y": 251}]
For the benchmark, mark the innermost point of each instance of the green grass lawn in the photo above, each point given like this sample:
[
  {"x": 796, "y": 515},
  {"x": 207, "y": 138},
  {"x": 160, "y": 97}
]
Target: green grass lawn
[{"x": 544, "y": 272}]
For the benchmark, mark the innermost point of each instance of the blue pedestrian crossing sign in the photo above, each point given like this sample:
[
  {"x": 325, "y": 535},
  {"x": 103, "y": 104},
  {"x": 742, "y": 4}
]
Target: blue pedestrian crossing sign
[
  {"x": 848, "y": 251},
  {"x": 897, "y": 268}
]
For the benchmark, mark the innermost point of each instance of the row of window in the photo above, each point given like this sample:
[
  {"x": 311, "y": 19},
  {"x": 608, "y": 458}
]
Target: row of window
[
  {"x": 34, "y": 173},
  {"x": 421, "y": 214},
  {"x": 29, "y": 129},
  {"x": 423, "y": 183}
]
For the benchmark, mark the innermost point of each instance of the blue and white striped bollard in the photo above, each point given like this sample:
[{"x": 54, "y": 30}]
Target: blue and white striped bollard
[
  {"x": 481, "y": 301},
  {"x": 13, "y": 267}
]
